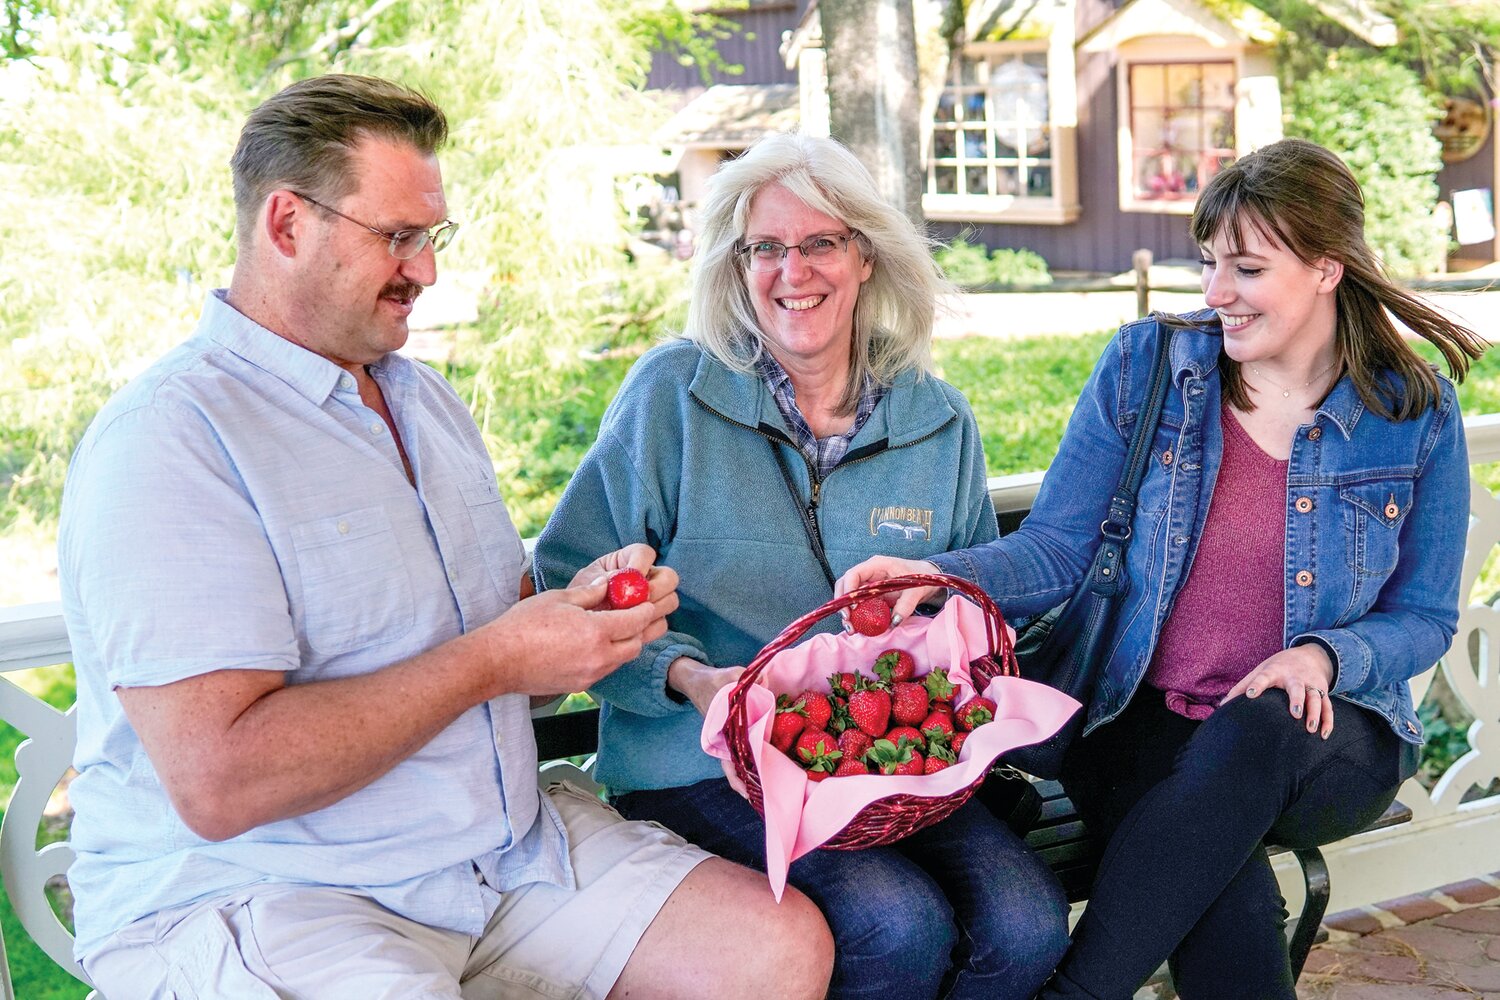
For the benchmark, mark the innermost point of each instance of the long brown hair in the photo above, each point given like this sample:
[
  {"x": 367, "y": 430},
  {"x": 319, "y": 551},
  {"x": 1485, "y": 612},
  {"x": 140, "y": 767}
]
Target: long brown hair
[{"x": 1303, "y": 198}]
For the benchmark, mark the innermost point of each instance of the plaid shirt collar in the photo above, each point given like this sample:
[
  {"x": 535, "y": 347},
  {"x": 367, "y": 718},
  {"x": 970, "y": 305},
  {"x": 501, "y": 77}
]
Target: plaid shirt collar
[{"x": 823, "y": 453}]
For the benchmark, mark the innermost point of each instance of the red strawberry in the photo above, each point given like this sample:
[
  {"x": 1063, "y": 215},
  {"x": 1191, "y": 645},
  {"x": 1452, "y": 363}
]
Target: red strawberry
[
  {"x": 908, "y": 703},
  {"x": 938, "y": 757},
  {"x": 938, "y": 685},
  {"x": 870, "y": 708},
  {"x": 939, "y": 721},
  {"x": 975, "y": 712},
  {"x": 854, "y": 743},
  {"x": 785, "y": 727},
  {"x": 626, "y": 589},
  {"x": 899, "y": 733},
  {"x": 815, "y": 775},
  {"x": 818, "y": 708},
  {"x": 850, "y": 765},
  {"x": 956, "y": 741},
  {"x": 895, "y": 665},
  {"x": 816, "y": 750},
  {"x": 872, "y": 616},
  {"x": 843, "y": 681}
]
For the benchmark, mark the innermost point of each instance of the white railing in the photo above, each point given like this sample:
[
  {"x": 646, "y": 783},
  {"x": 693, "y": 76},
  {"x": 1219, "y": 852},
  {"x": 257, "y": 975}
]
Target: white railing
[{"x": 1447, "y": 841}]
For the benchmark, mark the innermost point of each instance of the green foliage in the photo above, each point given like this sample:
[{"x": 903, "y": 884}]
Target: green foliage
[
  {"x": 969, "y": 265},
  {"x": 1445, "y": 743},
  {"x": 1379, "y": 119},
  {"x": 125, "y": 224},
  {"x": 964, "y": 263},
  {"x": 1452, "y": 45}
]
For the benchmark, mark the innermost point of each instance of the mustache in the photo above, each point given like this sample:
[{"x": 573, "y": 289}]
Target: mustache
[{"x": 401, "y": 290}]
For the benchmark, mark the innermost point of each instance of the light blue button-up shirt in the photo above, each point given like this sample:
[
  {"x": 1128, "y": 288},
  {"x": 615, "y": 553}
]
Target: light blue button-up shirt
[{"x": 238, "y": 507}]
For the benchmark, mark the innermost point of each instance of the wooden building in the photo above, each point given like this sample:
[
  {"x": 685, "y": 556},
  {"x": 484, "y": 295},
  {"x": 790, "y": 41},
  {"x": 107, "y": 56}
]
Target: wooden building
[{"x": 1082, "y": 131}]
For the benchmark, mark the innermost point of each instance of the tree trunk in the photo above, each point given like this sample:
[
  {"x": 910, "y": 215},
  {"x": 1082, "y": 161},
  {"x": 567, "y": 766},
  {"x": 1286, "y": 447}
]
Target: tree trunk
[{"x": 873, "y": 104}]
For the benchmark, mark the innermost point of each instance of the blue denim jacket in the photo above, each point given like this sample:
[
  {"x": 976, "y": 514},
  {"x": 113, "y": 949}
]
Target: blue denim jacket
[{"x": 1376, "y": 515}]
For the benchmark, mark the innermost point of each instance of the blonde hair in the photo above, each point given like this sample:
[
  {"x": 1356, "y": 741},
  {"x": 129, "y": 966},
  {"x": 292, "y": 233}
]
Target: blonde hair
[{"x": 893, "y": 314}]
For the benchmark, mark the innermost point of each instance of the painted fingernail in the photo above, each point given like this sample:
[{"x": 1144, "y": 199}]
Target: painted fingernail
[
  {"x": 895, "y": 620},
  {"x": 1312, "y": 728},
  {"x": 1297, "y": 711},
  {"x": 1250, "y": 692}
]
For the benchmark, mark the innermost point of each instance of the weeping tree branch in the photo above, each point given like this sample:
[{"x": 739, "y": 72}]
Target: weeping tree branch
[{"x": 335, "y": 39}]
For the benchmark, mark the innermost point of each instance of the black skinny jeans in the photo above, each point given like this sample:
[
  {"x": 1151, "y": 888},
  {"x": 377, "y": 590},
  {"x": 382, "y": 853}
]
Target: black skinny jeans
[{"x": 1185, "y": 806}]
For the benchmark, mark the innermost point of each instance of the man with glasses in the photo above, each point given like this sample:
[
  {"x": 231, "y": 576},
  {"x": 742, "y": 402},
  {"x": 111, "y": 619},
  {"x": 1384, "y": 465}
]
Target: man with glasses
[{"x": 306, "y": 649}]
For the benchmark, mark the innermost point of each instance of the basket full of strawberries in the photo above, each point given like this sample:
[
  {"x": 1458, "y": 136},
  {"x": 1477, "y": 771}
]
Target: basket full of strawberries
[{"x": 864, "y": 736}]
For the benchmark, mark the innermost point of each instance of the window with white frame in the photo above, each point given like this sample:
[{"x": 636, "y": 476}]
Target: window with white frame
[
  {"x": 993, "y": 149},
  {"x": 1181, "y": 127}
]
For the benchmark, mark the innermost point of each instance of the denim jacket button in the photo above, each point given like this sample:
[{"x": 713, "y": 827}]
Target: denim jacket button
[
  {"x": 1166, "y": 457},
  {"x": 1304, "y": 504},
  {"x": 1304, "y": 578},
  {"x": 1315, "y": 433}
]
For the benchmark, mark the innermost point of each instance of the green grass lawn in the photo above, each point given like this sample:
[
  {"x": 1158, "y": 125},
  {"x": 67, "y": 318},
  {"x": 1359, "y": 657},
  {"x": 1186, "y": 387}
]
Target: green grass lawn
[{"x": 1022, "y": 392}]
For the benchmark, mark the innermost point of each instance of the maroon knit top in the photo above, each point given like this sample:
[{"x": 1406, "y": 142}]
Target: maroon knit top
[{"x": 1230, "y": 613}]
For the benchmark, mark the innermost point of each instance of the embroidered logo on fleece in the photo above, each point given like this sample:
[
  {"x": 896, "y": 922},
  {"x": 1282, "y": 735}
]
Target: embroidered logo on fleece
[{"x": 906, "y": 522}]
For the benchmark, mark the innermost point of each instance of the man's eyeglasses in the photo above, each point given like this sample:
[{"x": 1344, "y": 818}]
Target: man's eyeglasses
[
  {"x": 768, "y": 255},
  {"x": 405, "y": 244}
]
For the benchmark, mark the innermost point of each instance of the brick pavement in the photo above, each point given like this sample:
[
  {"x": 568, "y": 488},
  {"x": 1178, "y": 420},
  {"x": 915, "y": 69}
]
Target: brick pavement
[{"x": 1439, "y": 945}]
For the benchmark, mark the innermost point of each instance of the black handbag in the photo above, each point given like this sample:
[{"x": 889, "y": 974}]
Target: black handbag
[{"x": 1066, "y": 646}]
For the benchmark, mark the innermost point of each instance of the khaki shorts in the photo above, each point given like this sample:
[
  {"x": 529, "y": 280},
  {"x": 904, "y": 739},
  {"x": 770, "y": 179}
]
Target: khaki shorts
[{"x": 275, "y": 942}]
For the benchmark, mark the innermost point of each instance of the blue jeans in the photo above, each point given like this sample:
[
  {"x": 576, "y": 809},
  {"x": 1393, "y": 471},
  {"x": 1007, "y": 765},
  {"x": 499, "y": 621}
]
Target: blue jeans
[
  {"x": 1185, "y": 807},
  {"x": 959, "y": 909}
]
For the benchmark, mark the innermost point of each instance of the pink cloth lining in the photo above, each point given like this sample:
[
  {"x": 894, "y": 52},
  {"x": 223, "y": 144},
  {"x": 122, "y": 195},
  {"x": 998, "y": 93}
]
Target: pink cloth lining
[
  {"x": 1230, "y": 613},
  {"x": 802, "y": 815}
]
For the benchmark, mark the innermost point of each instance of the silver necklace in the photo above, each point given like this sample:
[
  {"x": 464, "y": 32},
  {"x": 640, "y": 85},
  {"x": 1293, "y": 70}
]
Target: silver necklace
[{"x": 1287, "y": 393}]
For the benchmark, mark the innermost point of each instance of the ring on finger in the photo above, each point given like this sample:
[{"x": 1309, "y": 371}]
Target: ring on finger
[{"x": 1315, "y": 691}]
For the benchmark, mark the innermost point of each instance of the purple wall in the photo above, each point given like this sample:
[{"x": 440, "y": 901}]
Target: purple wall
[{"x": 754, "y": 46}]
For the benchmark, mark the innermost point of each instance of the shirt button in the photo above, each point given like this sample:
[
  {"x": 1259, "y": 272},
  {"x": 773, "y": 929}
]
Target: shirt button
[
  {"x": 1304, "y": 578},
  {"x": 343, "y": 527},
  {"x": 1304, "y": 504},
  {"x": 1180, "y": 540},
  {"x": 346, "y": 382},
  {"x": 376, "y": 427},
  {"x": 1166, "y": 457},
  {"x": 1315, "y": 434}
]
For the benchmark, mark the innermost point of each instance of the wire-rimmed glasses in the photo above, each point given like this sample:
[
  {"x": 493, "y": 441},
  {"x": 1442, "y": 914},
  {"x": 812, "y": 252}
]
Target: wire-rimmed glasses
[
  {"x": 405, "y": 243},
  {"x": 768, "y": 255}
]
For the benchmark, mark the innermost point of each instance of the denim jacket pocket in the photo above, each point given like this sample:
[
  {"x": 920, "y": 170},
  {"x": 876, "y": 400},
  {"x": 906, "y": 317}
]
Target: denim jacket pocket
[
  {"x": 1374, "y": 512},
  {"x": 355, "y": 590}
]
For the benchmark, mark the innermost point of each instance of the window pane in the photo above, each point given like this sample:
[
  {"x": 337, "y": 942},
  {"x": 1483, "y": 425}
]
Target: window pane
[
  {"x": 976, "y": 180},
  {"x": 969, "y": 70},
  {"x": 974, "y": 106},
  {"x": 1161, "y": 175},
  {"x": 1149, "y": 130},
  {"x": 945, "y": 180},
  {"x": 1039, "y": 182},
  {"x": 1184, "y": 84},
  {"x": 1218, "y": 85},
  {"x": 944, "y": 144},
  {"x": 974, "y": 143},
  {"x": 944, "y": 111},
  {"x": 1219, "y": 128},
  {"x": 1148, "y": 86},
  {"x": 1006, "y": 182}
]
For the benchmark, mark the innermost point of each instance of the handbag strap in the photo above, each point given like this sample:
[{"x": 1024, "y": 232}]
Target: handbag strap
[{"x": 1106, "y": 579}]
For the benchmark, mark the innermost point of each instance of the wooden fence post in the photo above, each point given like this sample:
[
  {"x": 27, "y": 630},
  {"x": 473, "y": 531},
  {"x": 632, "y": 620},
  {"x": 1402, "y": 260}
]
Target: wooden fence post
[{"x": 1140, "y": 261}]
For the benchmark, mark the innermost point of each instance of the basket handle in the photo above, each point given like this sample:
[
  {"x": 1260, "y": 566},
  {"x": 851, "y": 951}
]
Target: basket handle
[{"x": 1001, "y": 662}]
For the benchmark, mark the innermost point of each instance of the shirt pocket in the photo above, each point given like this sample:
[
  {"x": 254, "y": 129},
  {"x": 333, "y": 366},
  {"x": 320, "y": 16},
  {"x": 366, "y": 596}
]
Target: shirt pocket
[
  {"x": 356, "y": 591},
  {"x": 495, "y": 537},
  {"x": 1373, "y": 514}
]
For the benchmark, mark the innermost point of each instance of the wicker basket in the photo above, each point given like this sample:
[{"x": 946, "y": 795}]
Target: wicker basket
[{"x": 889, "y": 819}]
